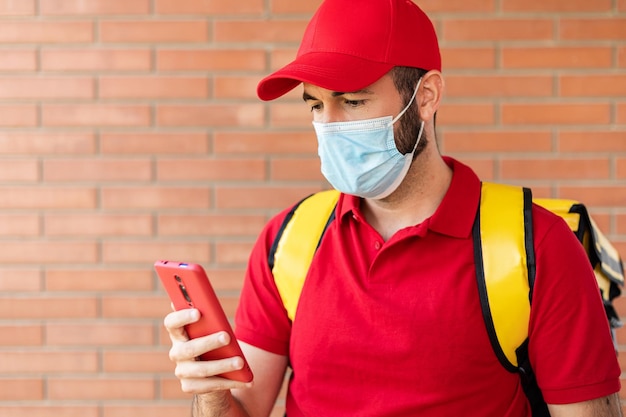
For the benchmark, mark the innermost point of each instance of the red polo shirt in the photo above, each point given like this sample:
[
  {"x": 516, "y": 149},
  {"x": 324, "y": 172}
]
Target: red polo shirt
[{"x": 395, "y": 328}]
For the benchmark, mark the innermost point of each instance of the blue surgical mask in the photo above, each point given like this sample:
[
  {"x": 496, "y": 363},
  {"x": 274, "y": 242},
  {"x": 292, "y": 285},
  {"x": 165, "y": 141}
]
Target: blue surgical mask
[{"x": 361, "y": 158}]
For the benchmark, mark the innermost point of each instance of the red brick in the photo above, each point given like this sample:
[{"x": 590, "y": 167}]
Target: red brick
[
  {"x": 93, "y": 7},
  {"x": 621, "y": 113},
  {"x": 499, "y": 86},
  {"x": 496, "y": 141},
  {"x": 18, "y": 115},
  {"x": 474, "y": 114},
  {"x": 468, "y": 58},
  {"x": 621, "y": 57},
  {"x": 169, "y": 143},
  {"x": 496, "y": 30},
  {"x": 259, "y": 31},
  {"x": 290, "y": 114},
  {"x": 19, "y": 170},
  {"x": 296, "y": 169},
  {"x": 209, "y": 225},
  {"x": 47, "y": 198},
  {"x": 20, "y": 280},
  {"x": 595, "y": 195},
  {"x": 142, "y": 31},
  {"x": 223, "y": 279},
  {"x": 151, "y": 409},
  {"x": 101, "y": 389},
  {"x": 621, "y": 227},
  {"x": 101, "y": 170},
  {"x": 208, "y": 7},
  {"x": 95, "y": 59},
  {"x": 134, "y": 307},
  {"x": 210, "y": 60},
  {"x": 137, "y": 361},
  {"x": 593, "y": 29},
  {"x": 597, "y": 85},
  {"x": 227, "y": 253},
  {"x": 557, "y": 57},
  {"x": 555, "y": 113},
  {"x": 33, "y": 307},
  {"x": 46, "y": 31},
  {"x": 621, "y": 5},
  {"x": 21, "y": 225},
  {"x": 560, "y": 6},
  {"x": 554, "y": 169},
  {"x": 95, "y": 225},
  {"x": 155, "y": 198},
  {"x": 235, "y": 87},
  {"x": 49, "y": 410},
  {"x": 46, "y": 88},
  {"x": 21, "y": 335},
  {"x": 621, "y": 168},
  {"x": 288, "y": 143},
  {"x": 280, "y": 57},
  {"x": 484, "y": 168},
  {"x": 18, "y": 59},
  {"x": 36, "y": 362},
  {"x": 88, "y": 333},
  {"x": 294, "y": 7},
  {"x": 153, "y": 87},
  {"x": 211, "y": 169},
  {"x": 98, "y": 280},
  {"x": 22, "y": 389},
  {"x": 214, "y": 115},
  {"x": 261, "y": 197},
  {"x": 592, "y": 141},
  {"x": 170, "y": 389},
  {"x": 49, "y": 252},
  {"x": 46, "y": 143},
  {"x": 17, "y": 8},
  {"x": 452, "y": 6},
  {"x": 107, "y": 115},
  {"x": 148, "y": 252}
]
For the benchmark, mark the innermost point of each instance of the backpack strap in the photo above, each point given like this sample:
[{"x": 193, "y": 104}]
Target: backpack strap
[
  {"x": 505, "y": 267},
  {"x": 297, "y": 240}
]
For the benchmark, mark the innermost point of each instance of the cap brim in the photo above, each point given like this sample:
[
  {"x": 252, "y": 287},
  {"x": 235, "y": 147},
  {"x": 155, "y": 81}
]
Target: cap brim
[{"x": 332, "y": 71}]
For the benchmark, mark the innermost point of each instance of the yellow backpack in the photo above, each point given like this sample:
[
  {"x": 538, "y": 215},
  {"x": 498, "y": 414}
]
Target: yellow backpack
[{"x": 504, "y": 258}]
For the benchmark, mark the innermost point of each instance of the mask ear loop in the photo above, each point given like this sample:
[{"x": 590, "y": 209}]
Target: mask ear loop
[{"x": 395, "y": 119}]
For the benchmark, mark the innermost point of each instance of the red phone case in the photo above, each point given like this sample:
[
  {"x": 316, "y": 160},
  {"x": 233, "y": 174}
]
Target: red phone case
[{"x": 188, "y": 287}]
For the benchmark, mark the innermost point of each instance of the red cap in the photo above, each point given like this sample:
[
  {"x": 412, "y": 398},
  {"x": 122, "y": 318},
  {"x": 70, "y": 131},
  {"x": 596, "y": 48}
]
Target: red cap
[{"x": 350, "y": 44}]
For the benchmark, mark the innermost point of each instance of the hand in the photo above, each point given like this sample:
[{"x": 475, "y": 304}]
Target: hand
[{"x": 199, "y": 377}]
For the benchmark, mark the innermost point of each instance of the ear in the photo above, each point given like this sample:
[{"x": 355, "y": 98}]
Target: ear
[{"x": 430, "y": 94}]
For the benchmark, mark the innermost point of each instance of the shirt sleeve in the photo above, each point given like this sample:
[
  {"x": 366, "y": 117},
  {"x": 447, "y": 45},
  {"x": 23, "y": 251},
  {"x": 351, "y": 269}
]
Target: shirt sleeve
[
  {"x": 261, "y": 320},
  {"x": 570, "y": 344}
]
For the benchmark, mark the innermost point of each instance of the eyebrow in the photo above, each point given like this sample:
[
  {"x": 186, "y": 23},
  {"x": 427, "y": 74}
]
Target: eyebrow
[{"x": 306, "y": 96}]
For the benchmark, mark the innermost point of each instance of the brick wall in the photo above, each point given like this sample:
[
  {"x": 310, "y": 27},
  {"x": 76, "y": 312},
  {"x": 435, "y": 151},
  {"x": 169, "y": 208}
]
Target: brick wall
[{"x": 130, "y": 131}]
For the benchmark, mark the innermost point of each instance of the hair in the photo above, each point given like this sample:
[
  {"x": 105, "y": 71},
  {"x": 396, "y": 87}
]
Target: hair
[{"x": 405, "y": 79}]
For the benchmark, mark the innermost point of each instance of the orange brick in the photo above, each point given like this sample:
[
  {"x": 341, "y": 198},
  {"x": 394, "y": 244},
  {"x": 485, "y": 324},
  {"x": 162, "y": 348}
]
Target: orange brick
[
  {"x": 95, "y": 59},
  {"x": 621, "y": 227},
  {"x": 621, "y": 113},
  {"x": 598, "y": 85},
  {"x": 46, "y": 143},
  {"x": 97, "y": 225},
  {"x": 207, "y": 7},
  {"x": 259, "y": 31},
  {"x": 170, "y": 389},
  {"x": 621, "y": 56},
  {"x": 89, "y": 333},
  {"x": 261, "y": 197},
  {"x": 155, "y": 198},
  {"x": 554, "y": 169},
  {"x": 472, "y": 6},
  {"x": 280, "y": 57},
  {"x": 557, "y": 57},
  {"x": 296, "y": 169},
  {"x": 235, "y": 87},
  {"x": 496, "y": 30},
  {"x": 467, "y": 58},
  {"x": 210, "y": 60},
  {"x": 46, "y": 31},
  {"x": 621, "y": 168},
  {"x": 291, "y": 115},
  {"x": 19, "y": 225},
  {"x": 98, "y": 280},
  {"x": 93, "y": 7},
  {"x": 17, "y": 8},
  {"x": 229, "y": 280},
  {"x": 20, "y": 280},
  {"x": 137, "y": 361},
  {"x": 18, "y": 59},
  {"x": 499, "y": 86},
  {"x": 170, "y": 143},
  {"x": 134, "y": 307},
  {"x": 496, "y": 141},
  {"x": 147, "y": 252},
  {"x": 142, "y": 31},
  {"x": 26, "y": 252},
  {"x": 593, "y": 29},
  {"x": 19, "y": 170},
  {"x": 101, "y": 389},
  {"x": 122, "y": 115},
  {"x": 21, "y": 335},
  {"x": 294, "y": 7},
  {"x": 78, "y": 170},
  {"x": 596, "y": 195},
  {"x": 36, "y": 362},
  {"x": 22, "y": 389},
  {"x": 288, "y": 143},
  {"x": 474, "y": 114},
  {"x": 209, "y": 225},
  {"x": 592, "y": 141},
  {"x": 49, "y": 410},
  {"x": 47, "y": 197},
  {"x": 622, "y": 5},
  {"x": 555, "y": 113},
  {"x": 214, "y": 115},
  {"x": 18, "y": 115},
  {"x": 47, "y": 88},
  {"x": 153, "y": 87},
  {"x": 227, "y": 253},
  {"x": 48, "y": 307},
  {"x": 484, "y": 168},
  {"x": 211, "y": 169},
  {"x": 150, "y": 409},
  {"x": 559, "y": 6}
]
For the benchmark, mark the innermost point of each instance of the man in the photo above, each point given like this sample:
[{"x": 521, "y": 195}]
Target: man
[{"x": 389, "y": 321}]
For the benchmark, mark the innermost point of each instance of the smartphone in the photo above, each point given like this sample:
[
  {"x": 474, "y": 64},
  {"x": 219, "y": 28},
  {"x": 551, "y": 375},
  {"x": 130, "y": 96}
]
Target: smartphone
[{"x": 189, "y": 287}]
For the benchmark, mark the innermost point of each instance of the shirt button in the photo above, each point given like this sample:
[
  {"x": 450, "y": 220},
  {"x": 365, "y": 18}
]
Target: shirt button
[{"x": 377, "y": 245}]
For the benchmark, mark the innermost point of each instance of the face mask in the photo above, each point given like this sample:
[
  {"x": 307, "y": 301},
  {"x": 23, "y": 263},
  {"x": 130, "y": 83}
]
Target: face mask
[{"x": 361, "y": 158}]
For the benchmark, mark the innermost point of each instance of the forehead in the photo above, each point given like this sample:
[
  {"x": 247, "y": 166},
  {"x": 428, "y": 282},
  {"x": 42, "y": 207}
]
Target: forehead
[{"x": 382, "y": 86}]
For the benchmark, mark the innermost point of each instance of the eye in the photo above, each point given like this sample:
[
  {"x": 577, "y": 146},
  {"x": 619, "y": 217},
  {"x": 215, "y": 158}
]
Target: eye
[
  {"x": 354, "y": 103},
  {"x": 315, "y": 107}
]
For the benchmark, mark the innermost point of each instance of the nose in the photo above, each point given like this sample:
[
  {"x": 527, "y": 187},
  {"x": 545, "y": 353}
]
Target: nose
[{"x": 330, "y": 113}]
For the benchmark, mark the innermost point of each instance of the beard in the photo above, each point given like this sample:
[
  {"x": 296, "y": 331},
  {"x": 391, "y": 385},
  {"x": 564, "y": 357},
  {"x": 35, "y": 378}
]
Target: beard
[{"x": 407, "y": 132}]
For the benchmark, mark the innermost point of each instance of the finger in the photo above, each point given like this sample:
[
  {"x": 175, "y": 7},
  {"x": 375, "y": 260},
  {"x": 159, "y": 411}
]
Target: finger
[
  {"x": 211, "y": 384},
  {"x": 188, "y": 350},
  {"x": 174, "y": 323}
]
